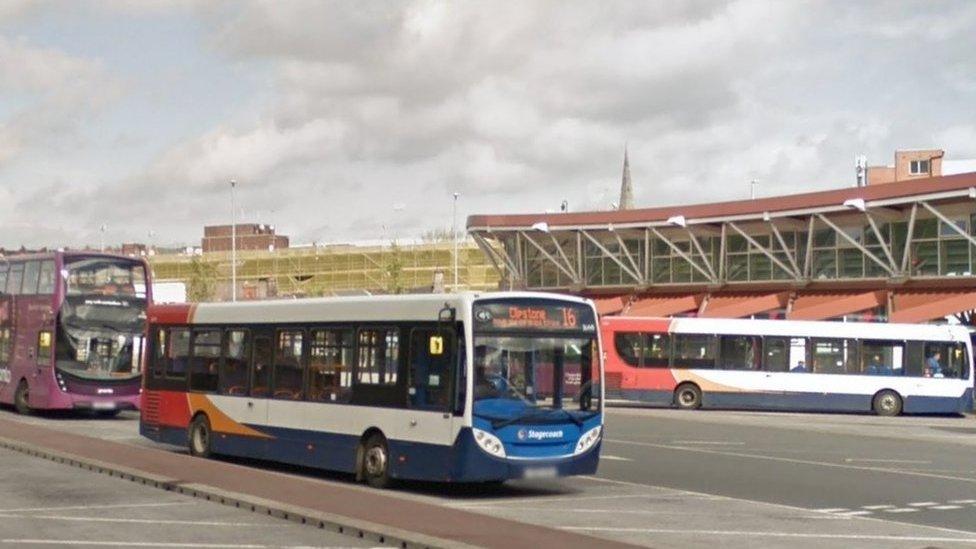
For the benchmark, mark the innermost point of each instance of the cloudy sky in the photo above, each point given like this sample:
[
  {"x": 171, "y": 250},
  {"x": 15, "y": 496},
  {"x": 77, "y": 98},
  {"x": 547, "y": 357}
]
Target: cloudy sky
[{"x": 351, "y": 120}]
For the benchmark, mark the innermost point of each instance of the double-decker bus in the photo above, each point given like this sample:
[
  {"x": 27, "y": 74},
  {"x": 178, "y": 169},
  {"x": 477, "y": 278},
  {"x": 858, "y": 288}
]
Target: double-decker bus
[
  {"x": 789, "y": 365},
  {"x": 464, "y": 387},
  {"x": 72, "y": 330}
]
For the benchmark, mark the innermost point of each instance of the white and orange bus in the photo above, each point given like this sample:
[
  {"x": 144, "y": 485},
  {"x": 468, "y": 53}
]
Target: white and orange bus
[
  {"x": 462, "y": 387},
  {"x": 789, "y": 365}
]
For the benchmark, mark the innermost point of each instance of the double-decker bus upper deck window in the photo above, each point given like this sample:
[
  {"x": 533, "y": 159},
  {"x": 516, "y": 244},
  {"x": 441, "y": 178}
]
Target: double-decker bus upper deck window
[
  {"x": 15, "y": 278},
  {"x": 178, "y": 352},
  {"x": 205, "y": 359},
  {"x": 32, "y": 272},
  {"x": 45, "y": 283},
  {"x": 105, "y": 276},
  {"x": 330, "y": 365},
  {"x": 3, "y": 278},
  {"x": 233, "y": 371},
  {"x": 288, "y": 364},
  {"x": 379, "y": 356}
]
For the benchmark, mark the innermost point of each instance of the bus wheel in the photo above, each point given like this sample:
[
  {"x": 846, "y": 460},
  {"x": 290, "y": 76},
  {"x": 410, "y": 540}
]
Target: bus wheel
[
  {"x": 887, "y": 403},
  {"x": 22, "y": 399},
  {"x": 376, "y": 461},
  {"x": 200, "y": 437},
  {"x": 688, "y": 396}
]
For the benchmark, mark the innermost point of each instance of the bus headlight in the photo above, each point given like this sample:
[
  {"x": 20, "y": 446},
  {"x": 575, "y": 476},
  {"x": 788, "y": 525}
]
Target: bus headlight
[
  {"x": 588, "y": 439},
  {"x": 489, "y": 442}
]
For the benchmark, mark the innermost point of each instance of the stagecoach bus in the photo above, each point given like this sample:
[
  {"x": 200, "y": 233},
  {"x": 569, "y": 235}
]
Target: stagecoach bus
[
  {"x": 789, "y": 365},
  {"x": 71, "y": 331},
  {"x": 466, "y": 387}
]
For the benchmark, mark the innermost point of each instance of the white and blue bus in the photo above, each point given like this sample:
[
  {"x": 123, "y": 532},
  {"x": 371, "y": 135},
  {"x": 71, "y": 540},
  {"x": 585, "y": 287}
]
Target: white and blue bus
[{"x": 464, "y": 387}]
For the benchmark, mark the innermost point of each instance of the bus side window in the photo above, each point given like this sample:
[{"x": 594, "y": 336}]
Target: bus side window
[
  {"x": 330, "y": 365},
  {"x": 15, "y": 278},
  {"x": 379, "y": 356},
  {"x": 739, "y": 352},
  {"x": 178, "y": 353},
  {"x": 289, "y": 365},
  {"x": 261, "y": 367},
  {"x": 694, "y": 351},
  {"x": 32, "y": 272},
  {"x": 233, "y": 372},
  {"x": 3, "y": 278},
  {"x": 656, "y": 351},
  {"x": 628, "y": 345},
  {"x": 44, "y": 346},
  {"x": 46, "y": 283},
  {"x": 159, "y": 352},
  {"x": 203, "y": 364}
]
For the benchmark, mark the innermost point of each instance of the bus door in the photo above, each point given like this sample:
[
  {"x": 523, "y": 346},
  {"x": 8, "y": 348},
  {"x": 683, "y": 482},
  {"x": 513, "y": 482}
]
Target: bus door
[
  {"x": 433, "y": 359},
  {"x": 254, "y": 412}
]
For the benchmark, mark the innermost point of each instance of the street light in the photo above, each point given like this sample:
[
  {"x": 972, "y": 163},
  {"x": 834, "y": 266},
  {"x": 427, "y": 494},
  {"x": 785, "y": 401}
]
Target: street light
[
  {"x": 101, "y": 239},
  {"x": 233, "y": 242},
  {"x": 454, "y": 235}
]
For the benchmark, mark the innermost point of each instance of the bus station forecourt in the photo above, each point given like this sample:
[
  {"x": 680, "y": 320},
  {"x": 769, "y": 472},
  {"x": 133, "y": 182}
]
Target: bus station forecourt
[{"x": 505, "y": 395}]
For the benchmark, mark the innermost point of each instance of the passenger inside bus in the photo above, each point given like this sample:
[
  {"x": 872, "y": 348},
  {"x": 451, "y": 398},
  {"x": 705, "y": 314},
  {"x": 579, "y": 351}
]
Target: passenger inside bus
[
  {"x": 933, "y": 365},
  {"x": 800, "y": 367}
]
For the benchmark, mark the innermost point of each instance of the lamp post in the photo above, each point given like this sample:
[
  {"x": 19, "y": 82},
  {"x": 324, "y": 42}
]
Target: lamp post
[
  {"x": 101, "y": 239},
  {"x": 233, "y": 242},
  {"x": 454, "y": 236}
]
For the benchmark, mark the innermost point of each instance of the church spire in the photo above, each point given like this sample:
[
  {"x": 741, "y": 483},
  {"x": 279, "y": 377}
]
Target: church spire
[{"x": 626, "y": 188}]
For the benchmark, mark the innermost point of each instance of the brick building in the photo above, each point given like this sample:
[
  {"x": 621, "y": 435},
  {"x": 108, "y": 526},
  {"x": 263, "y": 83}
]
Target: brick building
[
  {"x": 250, "y": 236},
  {"x": 918, "y": 164}
]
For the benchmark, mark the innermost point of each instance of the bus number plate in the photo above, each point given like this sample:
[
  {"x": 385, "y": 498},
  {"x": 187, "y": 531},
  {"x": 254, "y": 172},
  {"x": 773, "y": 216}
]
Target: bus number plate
[
  {"x": 540, "y": 472},
  {"x": 103, "y": 405}
]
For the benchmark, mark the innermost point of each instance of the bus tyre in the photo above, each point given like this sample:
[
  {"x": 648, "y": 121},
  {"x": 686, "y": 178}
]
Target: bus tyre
[
  {"x": 200, "y": 437},
  {"x": 887, "y": 403},
  {"x": 688, "y": 396},
  {"x": 376, "y": 461},
  {"x": 22, "y": 398}
]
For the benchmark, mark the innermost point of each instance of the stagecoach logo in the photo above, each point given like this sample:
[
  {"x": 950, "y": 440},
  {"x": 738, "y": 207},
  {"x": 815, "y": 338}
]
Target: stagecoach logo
[
  {"x": 532, "y": 434},
  {"x": 483, "y": 315}
]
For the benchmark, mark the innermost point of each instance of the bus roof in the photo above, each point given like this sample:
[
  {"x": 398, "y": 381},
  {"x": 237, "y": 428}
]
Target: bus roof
[
  {"x": 799, "y": 328},
  {"x": 334, "y": 309}
]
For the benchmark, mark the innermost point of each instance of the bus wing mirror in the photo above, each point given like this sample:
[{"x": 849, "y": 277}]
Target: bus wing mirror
[{"x": 446, "y": 314}]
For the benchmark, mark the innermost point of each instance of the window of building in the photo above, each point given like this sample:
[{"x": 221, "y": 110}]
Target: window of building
[
  {"x": 205, "y": 360},
  {"x": 330, "y": 365},
  {"x": 694, "y": 351},
  {"x": 379, "y": 352},
  {"x": 289, "y": 365},
  {"x": 919, "y": 167}
]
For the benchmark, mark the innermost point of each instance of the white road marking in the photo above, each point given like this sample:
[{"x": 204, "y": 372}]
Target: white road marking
[
  {"x": 129, "y": 520},
  {"x": 946, "y": 507},
  {"x": 770, "y": 504},
  {"x": 962, "y": 501},
  {"x": 831, "y": 510},
  {"x": 866, "y": 460},
  {"x": 877, "y": 537},
  {"x": 709, "y": 442},
  {"x": 71, "y": 542},
  {"x": 924, "y": 503},
  {"x": 878, "y": 507},
  {"x": 903, "y": 510},
  {"x": 615, "y": 458},
  {"x": 791, "y": 460},
  {"x": 86, "y": 507},
  {"x": 854, "y": 513}
]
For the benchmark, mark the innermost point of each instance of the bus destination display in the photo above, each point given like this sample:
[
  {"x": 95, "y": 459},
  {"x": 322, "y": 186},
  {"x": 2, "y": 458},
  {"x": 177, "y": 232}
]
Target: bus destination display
[{"x": 520, "y": 316}]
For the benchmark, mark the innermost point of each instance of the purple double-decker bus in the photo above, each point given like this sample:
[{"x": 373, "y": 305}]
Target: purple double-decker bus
[{"x": 72, "y": 330}]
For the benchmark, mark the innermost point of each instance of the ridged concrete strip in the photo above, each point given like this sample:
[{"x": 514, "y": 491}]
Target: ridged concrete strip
[{"x": 370, "y": 531}]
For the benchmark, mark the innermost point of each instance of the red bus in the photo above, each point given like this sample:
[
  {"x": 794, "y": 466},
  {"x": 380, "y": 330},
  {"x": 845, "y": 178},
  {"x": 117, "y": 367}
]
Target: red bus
[{"x": 71, "y": 331}]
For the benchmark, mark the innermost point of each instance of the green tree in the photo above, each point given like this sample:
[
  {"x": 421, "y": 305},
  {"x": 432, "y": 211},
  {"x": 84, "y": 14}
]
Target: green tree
[
  {"x": 394, "y": 269},
  {"x": 202, "y": 284}
]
